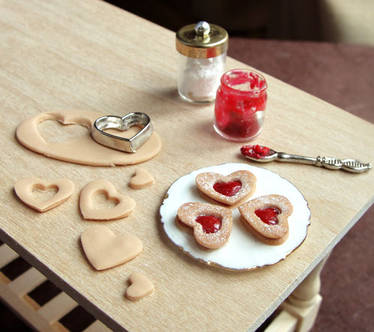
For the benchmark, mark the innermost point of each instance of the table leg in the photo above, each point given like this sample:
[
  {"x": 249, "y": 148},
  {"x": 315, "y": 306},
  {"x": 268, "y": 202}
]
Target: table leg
[
  {"x": 299, "y": 311},
  {"x": 305, "y": 300}
]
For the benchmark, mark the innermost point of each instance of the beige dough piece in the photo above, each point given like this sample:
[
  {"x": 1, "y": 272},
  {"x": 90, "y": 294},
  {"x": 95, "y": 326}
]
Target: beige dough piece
[
  {"x": 205, "y": 182},
  {"x": 82, "y": 150},
  {"x": 104, "y": 249},
  {"x": 270, "y": 234},
  {"x": 140, "y": 287},
  {"x": 125, "y": 205},
  {"x": 141, "y": 179},
  {"x": 24, "y": 190}
]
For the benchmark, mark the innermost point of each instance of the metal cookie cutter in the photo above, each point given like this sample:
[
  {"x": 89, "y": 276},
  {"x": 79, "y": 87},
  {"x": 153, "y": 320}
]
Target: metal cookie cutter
[{"x": 122, "y": 123}]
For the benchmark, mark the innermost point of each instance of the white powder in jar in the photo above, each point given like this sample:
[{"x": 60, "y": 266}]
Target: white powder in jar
[{"x": 199, "y": 79}]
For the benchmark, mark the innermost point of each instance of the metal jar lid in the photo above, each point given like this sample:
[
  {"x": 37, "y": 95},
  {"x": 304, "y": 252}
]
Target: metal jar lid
[{"x": 202, "y": 40}]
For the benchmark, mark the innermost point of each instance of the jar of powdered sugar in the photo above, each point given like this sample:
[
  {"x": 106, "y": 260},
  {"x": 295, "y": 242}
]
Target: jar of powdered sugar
[{"x": 202, "y": 58}]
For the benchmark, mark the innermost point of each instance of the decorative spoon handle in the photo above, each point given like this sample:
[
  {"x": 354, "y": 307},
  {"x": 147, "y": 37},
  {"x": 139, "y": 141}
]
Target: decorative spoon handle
[
  {"x": 263, "y": 154},
  {"x": 293, "y": 158}
]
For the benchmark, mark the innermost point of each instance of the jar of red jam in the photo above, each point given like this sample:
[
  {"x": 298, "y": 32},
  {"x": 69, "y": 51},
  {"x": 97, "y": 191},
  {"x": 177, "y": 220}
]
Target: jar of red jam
[{"x": 240, "y": 105}]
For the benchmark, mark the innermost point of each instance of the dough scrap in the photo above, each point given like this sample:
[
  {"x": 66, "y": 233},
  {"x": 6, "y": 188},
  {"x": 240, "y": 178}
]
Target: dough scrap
[
  {"x": 140, "y": 287},
  {"x": 86, "y": 203},
  {"x": 24, "y": 190},
  {"x": 141, "y": 179},
  {"x": 82, "y": 150},
  {"x": 104, "y": 249}
]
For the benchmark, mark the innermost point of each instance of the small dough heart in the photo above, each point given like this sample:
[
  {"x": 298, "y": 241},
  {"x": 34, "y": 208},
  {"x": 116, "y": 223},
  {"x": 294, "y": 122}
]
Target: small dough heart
[
  {"x": 104, "y": 249},
  {"x": 230, "y": 189},
  {"x": 141, "y": 179},
  {"x": 86, "y": 203},
  {"x": 140, "y": 286},
  {"x": 266, "y": 217},
  {"x": 211, "y": 224},
  {"x": 24, "y": 190}
]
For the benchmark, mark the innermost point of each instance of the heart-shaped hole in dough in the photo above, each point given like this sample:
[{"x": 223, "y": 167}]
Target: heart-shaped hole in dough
[
  {"x": 87, "y": 206},
  {"x": 56, "y": 132},
  {"x": 43, "y": 193},
  {"x": 83, "y": 150},
  {"x": 102, "y": 200}
]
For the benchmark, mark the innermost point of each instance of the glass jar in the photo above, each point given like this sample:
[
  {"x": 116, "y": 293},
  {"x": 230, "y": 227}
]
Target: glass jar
[
  {"x": 240, "y": 105},
  {"x": 202, "y": 58}
]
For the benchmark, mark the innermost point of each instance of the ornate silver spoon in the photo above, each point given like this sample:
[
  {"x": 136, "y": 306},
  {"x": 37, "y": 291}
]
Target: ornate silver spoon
[{"x": 264, "y": 154}]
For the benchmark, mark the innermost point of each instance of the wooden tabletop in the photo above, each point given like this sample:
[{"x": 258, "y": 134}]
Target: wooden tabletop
[{"x": 90, "y": 55}]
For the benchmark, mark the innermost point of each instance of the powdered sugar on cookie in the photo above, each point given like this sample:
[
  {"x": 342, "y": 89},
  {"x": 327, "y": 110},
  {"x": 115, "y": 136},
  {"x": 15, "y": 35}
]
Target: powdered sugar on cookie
[
  {"x": 230, "y": 189},
  {"x": 211, "y": 223},
  {"x": 266, "y": 218}
]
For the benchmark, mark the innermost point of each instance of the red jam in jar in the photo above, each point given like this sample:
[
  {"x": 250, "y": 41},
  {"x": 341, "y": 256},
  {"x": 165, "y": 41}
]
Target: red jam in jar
[{"x": 240, "y": 105}]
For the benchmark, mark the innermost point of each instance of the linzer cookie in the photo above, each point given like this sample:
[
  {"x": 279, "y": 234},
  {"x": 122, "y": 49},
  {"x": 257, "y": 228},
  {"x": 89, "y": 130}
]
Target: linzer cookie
[
  {"x": 266, "y": 217},
  {"x": 230, "y": 189},
  {"x": 211, "y": 223}
]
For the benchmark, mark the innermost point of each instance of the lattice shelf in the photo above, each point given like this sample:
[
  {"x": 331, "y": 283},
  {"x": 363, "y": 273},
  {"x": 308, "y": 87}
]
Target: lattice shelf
[{"x": 49, "y": 316}]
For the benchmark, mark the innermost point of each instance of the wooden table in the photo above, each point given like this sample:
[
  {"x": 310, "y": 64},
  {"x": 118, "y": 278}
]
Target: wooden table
[{"x": 91, "y": 55}]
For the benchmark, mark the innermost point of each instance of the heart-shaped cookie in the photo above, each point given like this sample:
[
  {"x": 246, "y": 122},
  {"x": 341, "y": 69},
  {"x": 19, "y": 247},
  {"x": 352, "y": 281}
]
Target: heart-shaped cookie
[
  {"x": 104, "y": 249},
  {"x": 230, "y": 189},
  {"x": 140, "y": 286},
  {"x": 266, "y": 217},
  {"x": 25, "y": 187},
  {"x": 125, "y": 205},
  {"x": 141, "y": 179},
  {"x": 211, "y": 223}
]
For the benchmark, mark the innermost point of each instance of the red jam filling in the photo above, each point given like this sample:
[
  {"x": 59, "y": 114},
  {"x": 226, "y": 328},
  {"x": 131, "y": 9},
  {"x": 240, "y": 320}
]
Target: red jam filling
[
  {"x": 227, "y": 188},
  {"x": 269, "y": 215},
  {"x": 211, "y": 224},
  {"x": 240, "y": 102},
  {"x": 255, "y": 151}
]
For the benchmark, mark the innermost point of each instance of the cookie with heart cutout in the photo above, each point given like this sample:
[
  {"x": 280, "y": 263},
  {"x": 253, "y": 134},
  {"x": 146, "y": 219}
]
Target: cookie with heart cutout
[
  {"x": 124, "y": 204},
  {"x": 25, "y": 188},
  {"x": 227, "y": 189},
  {"x": 211, "y": 224},
  {"x": 266, "y": 217}
]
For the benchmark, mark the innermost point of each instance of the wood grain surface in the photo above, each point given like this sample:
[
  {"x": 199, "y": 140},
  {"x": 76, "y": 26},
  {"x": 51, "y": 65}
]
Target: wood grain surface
[{"x": 90, "y": 55}]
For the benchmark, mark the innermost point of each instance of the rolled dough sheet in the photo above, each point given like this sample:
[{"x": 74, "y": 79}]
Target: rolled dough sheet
[{"x": 81, "y": 150}]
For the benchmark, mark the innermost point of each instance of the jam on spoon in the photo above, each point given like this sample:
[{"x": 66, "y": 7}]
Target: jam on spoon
[
  {"x": 256, "y": 151},
  {"x": 264, "y": 154}
]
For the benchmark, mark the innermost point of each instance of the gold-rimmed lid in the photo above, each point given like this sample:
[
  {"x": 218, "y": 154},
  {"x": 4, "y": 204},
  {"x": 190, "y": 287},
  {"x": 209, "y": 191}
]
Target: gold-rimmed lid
[{"x": 202, "y": 40}]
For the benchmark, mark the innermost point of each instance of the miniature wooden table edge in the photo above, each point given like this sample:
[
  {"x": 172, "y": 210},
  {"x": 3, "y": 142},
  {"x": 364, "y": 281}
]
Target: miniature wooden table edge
[
  {"x": 104, "y": 317},
  {"x": 60, "y": 282}
]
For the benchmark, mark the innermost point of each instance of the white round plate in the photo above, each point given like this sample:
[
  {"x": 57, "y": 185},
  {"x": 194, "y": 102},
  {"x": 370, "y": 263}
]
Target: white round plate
[{"x": 242, "y": 251}]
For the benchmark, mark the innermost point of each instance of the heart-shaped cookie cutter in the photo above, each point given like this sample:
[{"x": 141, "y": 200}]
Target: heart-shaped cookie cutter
[{"x": 122, "y": 123}]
